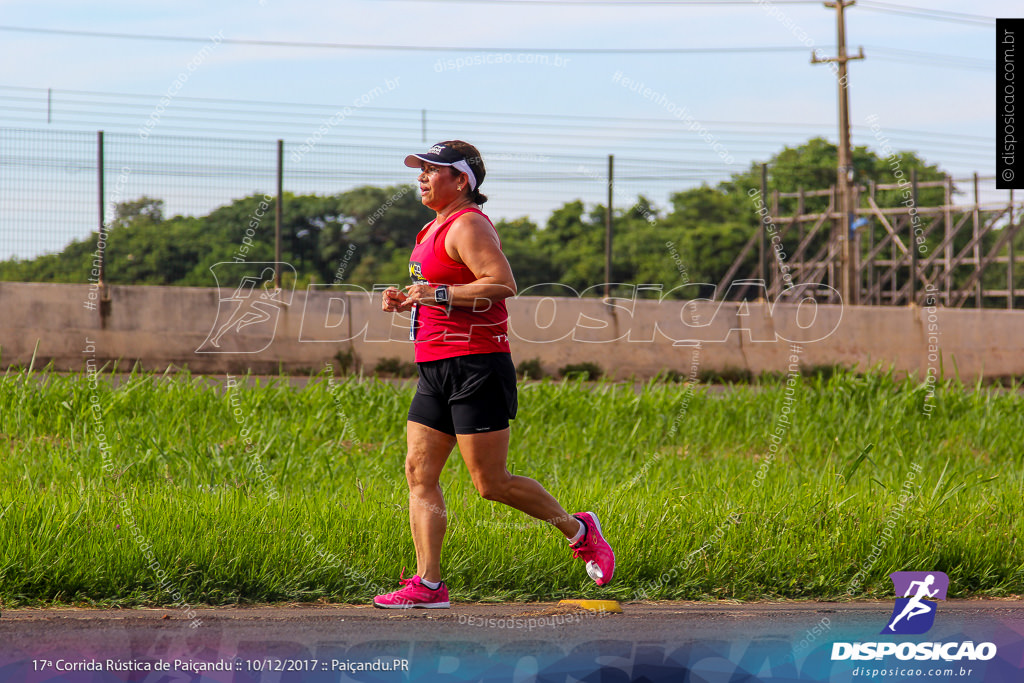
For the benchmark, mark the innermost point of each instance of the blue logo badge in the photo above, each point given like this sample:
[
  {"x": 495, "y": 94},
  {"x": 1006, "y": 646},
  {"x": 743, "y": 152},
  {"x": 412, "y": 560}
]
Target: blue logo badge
[{"x": 914, "y": 613}]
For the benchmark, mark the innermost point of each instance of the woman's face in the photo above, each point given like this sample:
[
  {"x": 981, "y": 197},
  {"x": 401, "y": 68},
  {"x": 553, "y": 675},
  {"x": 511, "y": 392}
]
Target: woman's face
[{"x": 439, "y": 186}]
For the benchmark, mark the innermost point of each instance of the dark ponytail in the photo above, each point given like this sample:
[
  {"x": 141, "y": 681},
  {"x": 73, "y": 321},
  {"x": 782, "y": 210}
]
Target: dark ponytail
[
  {"x": 476, "y": 162},
  {"x": 478, "y": 197}
]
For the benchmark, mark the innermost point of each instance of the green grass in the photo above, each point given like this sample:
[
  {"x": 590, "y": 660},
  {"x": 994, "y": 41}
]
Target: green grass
[{"x": 316, "y": 508}]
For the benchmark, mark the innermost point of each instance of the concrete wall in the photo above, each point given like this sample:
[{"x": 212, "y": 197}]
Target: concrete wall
[{"x": 162, "y": 326}]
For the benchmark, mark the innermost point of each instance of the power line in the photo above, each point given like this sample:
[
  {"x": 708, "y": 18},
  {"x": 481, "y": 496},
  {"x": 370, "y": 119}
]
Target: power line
[
  {"x": 901, "y": 55},
  {"x": 655, "y": 151},
  {"x": 597, "y": 3},
  {"x": 892, "y": 8},
  {"x": 760, "y": 148},
  {"x": 407, "y": 48},
  {"x": 933, "y": 58},
  {"x": 292, "y": 111},
  {"x": 554, "y": 133},
  {"x": 926, "y": 13}
]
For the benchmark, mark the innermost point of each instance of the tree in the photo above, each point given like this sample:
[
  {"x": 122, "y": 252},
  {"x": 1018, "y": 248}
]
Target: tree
[
  {"x": 143, "y": 207},
  {"x": 573, "y": 242},
  {"x": 707, "y": 230},
  {"x": 812, "y": 166},
  {"x": 364, "y": 236},
  {"x": 530, "y": 260},
  {"x": 376, "y": 227}
]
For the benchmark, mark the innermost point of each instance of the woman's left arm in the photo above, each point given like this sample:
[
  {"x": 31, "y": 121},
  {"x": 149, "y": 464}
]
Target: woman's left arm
[{"x": 473, "y": 242}]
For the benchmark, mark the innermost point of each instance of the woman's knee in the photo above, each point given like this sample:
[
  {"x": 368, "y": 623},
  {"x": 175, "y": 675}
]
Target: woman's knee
[
  {"x": 417, "y": 475},
  {"x": 492, "y": 487}
]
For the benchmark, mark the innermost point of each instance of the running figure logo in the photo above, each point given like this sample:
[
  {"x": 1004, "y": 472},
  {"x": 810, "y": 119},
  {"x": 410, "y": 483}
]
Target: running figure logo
[
  {"x": 247, "y": 318},
  {"x": 914, "y": 613}
]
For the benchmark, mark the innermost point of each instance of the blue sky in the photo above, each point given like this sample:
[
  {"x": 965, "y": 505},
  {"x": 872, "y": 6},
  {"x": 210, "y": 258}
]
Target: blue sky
[{"x": 946, "y": 112}]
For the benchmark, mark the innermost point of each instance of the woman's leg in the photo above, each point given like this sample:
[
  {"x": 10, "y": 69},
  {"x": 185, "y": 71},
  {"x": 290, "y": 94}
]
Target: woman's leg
[
  {"x": 428, "y": 451},
  {"x": 485, "y": 456}
]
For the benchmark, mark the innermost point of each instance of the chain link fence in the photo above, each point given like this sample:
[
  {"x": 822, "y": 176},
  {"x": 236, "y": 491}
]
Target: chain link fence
[{"x": 51, "y": 193}]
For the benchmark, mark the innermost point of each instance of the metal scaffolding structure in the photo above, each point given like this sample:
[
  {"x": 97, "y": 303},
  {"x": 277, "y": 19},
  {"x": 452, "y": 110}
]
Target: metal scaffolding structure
[{"x": 952, "y": 253}]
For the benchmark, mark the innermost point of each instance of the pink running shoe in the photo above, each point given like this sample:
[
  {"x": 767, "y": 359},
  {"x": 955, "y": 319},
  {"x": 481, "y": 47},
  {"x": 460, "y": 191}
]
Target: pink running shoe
[
  {"x": 594, "y": 550},
  {"x": 414, "y": 594}
]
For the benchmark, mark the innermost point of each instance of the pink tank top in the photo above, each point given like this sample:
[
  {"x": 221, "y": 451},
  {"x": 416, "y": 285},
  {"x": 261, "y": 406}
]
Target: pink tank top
[{"x": 439, "y": 334}]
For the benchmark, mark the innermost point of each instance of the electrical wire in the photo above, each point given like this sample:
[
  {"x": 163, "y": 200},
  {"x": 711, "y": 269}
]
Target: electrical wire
[
  {"x": 408, "y": 48},
  {"x": 598, "y": 3},
  {"x": 932, "y": 58},
  {"x": 919, "y": 12},
  {"x": 925, "y": 58},
  {"x": 291, "y": 111},
  {"x": 926, "y": 13}
]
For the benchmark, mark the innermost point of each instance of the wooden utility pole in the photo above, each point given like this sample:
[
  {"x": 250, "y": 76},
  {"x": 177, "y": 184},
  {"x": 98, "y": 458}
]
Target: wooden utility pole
[{"x": 849, "y": 285}]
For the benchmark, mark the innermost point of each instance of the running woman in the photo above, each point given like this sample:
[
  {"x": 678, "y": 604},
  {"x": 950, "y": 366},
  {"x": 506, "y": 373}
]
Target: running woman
[{"x": 466, "y": 392}]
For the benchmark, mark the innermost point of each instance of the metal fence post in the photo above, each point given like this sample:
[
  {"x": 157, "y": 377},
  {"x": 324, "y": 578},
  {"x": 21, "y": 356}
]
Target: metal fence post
[
  {"x": 101, "y": 243},
  {"x": 911, "y": 240},
  {"x": 608, "y": 229},
  {"x": 762, "y": 242},
  {"x": 278, "y": 213},
  {"x": 1010, "y": 293}
]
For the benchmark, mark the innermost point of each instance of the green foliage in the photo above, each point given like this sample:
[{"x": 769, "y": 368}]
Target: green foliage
[
  {"x": 363, "y": 236},
  {"x": 574, "y": 244},
  {"x": 382, "y": 224},
  {"x": 584, "y": 371},
  {"x": 530, "y": 368},
  {"x": 366, "y": 225},
  {"x": 530, "y": 261},
  {"x": 826, "y": 372},
  {"x": 812, "y": 166},
  {"x": 395, "y": 367},
  {"x": 727, "y": 375},
  {"x": 670, "y": 376},
  {"x": 347, "y": 361},
  {"x": 314, "y": 506},
  {"x": 148, "y": 208}
]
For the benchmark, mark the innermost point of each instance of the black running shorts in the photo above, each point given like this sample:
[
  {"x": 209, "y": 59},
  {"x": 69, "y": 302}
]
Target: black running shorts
[{"x": 466, "y": 394}]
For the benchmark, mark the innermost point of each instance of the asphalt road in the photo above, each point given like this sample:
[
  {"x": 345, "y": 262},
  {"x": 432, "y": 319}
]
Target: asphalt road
[
  {"x": 529, "y": 641},
  {"x": 638, "y": 621}
]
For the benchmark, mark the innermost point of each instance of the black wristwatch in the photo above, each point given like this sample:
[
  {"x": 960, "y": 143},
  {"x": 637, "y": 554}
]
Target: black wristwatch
[{"x": 443, "y": 296}]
